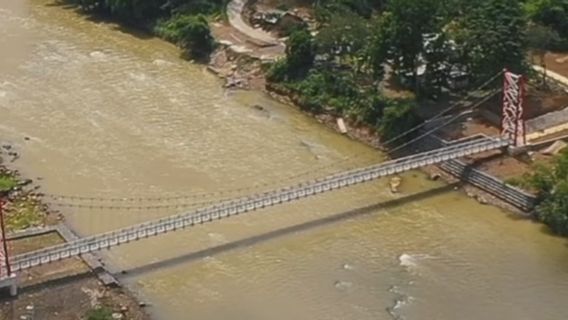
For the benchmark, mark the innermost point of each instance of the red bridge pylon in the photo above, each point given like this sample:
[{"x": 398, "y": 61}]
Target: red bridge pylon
[
  {"x": 512, "y": 121},
  {"x": 5, "y": 270},
  {"x": 7, "y": 279}
]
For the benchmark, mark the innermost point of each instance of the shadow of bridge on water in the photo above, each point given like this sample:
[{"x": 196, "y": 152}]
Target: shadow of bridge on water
[{"x": 251, "y": 241}]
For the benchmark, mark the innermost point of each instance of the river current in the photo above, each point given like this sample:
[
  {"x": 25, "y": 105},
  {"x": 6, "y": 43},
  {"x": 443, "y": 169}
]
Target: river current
[{"x": 115, "y": 114}]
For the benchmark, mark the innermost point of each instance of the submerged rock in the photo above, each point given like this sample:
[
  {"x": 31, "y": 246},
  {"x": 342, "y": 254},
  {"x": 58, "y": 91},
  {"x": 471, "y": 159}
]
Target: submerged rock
[{"x": 339, "y": 284}]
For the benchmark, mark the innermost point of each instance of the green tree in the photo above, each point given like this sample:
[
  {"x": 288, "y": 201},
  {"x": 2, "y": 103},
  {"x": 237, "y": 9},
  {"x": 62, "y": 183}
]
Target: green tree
[
  {"x": 553, "y": 211},
  {"x": 129, "y": 10},
  {"x": 325, "y": 9},
  {"x": 493, "y": 37},
  {"x": 190, "y": 32},
  {"x": 541, "y": 38},
  {"x": 300, "y": 52},
  {"x": 551, "y": 185},
  {"x": 410, "y": 20},
  {"x": 552, "y": 14},
  {"x": 346, "y": 36},
  {"x": 436, "y": 55},
  {"x": 397, "y": 118},
  {"x": 379, "y": 46}
]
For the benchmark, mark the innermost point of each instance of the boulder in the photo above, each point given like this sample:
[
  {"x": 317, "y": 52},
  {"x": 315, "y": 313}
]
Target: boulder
[
  {"x": 341, "y": 125},
  {"x": 434, "y": 176},
  {"x": 481, "y": 200}
]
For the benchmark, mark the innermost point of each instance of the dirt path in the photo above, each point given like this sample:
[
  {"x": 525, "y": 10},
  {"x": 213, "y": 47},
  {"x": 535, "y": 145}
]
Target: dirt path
[
  {"x": 555, "y": 61},
  {"x": 551, "y": 74},
  {"x": 235, "y": 13}
]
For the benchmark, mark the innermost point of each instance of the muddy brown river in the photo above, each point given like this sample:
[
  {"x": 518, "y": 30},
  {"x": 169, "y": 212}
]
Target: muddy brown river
[{"x": 112, "y": 114}]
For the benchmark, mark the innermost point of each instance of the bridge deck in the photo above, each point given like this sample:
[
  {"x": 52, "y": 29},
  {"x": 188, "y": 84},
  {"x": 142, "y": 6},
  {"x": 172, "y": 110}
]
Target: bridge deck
[{"x": 242, "y": 205}]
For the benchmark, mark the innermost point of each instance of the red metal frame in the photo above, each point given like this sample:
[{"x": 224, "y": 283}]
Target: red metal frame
[
  {"x": 521, "y": 115},
  {"x": 4, "y": 254},
  {"x": 512, "y": 121}
]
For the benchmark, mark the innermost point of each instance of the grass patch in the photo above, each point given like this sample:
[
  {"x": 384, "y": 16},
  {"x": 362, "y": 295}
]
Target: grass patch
[
  {"x": 25, "y": 245},
  {"x": 7, "y": 182},
  {"x": 22, "y": 214},
  {"x": 101, "y": 313}
]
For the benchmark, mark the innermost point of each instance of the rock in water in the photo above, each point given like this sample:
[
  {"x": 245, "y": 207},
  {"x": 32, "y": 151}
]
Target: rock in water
[
  {"x": 341, "y": 125},
  {"x": 394, "y": 183}
]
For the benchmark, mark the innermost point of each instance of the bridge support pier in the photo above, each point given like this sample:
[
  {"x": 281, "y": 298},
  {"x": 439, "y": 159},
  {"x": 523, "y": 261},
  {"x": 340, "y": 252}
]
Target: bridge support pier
[{"x": 10, "y": 284}]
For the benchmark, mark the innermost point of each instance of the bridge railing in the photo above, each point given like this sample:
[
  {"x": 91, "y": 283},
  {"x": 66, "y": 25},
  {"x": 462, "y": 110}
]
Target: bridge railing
[{"x": 255, "y": 202}]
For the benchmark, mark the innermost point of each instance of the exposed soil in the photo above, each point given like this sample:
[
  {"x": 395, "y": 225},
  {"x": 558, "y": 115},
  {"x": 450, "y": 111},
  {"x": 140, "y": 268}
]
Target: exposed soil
[
  {"x": 557, "y": 62},
  {"x": 500, "y": 165},
  {"x": 70, "y": 300},
  {"x": 239, "y": 59},
  {"x": 77, "y": 289},
  {"x": 237, "y": 69}
]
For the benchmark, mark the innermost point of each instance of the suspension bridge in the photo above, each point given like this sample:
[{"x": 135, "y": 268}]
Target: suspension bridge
[{"x": 512, "y": 136}]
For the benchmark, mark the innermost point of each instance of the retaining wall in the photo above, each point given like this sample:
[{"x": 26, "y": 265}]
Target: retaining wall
[{"x": 486, "y": 182}]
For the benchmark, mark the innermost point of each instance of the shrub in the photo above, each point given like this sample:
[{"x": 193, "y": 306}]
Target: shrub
[
  {"x": 551, "y": 185},
  {"x": 7, "y": 182},
  {"x": 191, "y": 32},
  {"x": 398, "y": 117},
  {"x": 300, "y": 52},
  {"x": 553, "y": 211},
  {"x": 102, "y": 313},
  {"x": 278, "y": 72}
]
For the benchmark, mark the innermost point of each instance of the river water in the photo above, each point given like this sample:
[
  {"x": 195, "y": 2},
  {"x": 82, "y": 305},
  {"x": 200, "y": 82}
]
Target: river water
[{"x": 114, "y": 114}]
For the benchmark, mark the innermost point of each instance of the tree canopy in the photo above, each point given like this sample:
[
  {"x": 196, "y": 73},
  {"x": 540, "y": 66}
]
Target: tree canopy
[
  {"x": 190, "y": 32},
  {"x": 493, "y": 37},
  {"x": 360, "y": 44},
  {"x": 300, "y": 51}
]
